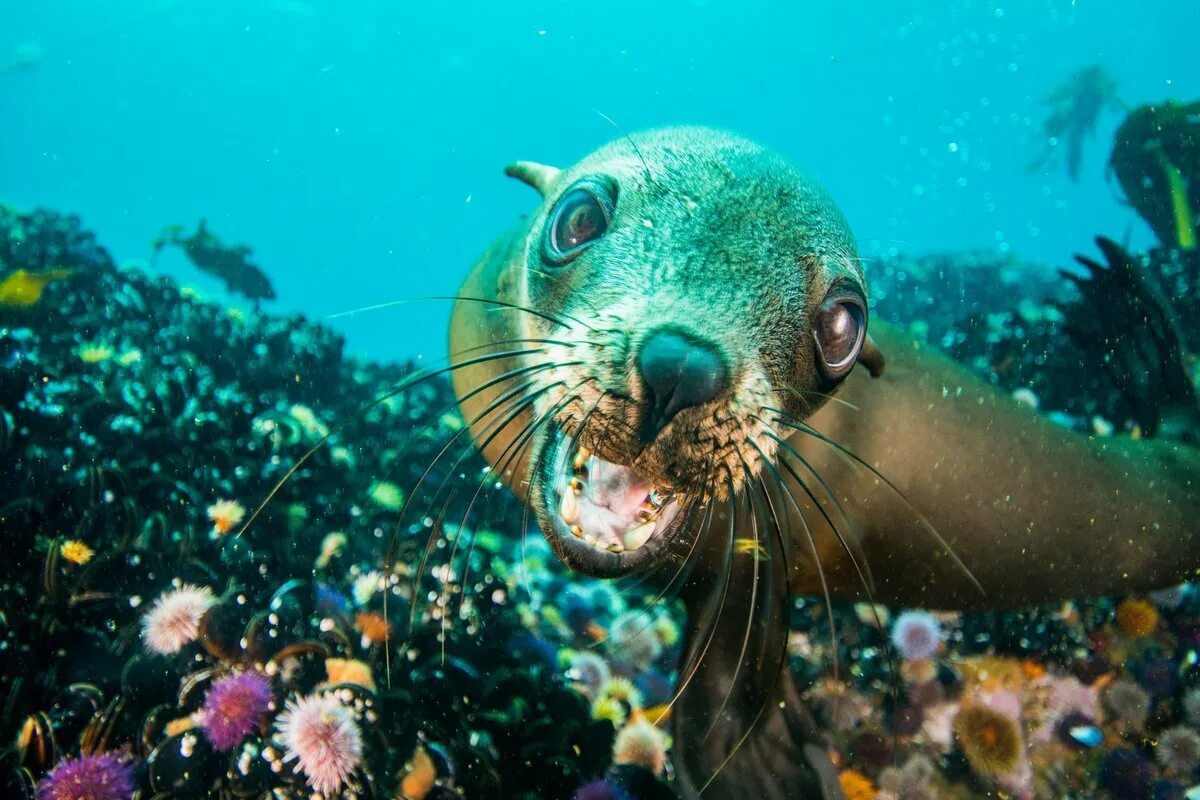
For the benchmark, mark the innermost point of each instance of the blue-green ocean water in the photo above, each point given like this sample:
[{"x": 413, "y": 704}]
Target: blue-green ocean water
[{"x": 357, "y": 146}]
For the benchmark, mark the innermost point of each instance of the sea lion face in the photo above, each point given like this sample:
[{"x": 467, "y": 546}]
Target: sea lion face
[{"x": 692, "y": 292}]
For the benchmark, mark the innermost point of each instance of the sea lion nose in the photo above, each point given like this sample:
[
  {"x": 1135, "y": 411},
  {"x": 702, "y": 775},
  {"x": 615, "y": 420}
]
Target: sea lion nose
[{"x": 679, "y": 372}]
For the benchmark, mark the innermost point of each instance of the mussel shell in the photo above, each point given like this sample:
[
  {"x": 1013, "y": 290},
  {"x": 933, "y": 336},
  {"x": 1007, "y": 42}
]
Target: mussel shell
[
  {"x": 248, "y": 773},
  {"x": 221, "y": 630},
  {"x": 185, "y": 763},
  {"x": 194, "y": 687},
  {"x": 301, "y": 665},
  {"x": 36, "y": 745},
  {"x": 18, "y": 785},
  {"x": 154, "y": 725}
]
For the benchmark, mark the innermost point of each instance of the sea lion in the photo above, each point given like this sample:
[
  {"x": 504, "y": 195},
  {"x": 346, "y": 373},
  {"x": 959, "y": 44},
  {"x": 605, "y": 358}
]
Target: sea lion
[{"x": 662, "y": 361}]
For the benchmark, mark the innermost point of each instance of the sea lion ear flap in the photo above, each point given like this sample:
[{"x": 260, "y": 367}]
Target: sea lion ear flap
[
  {"x": 539, "y": 176},
  {"x": 871, "y": 357}
]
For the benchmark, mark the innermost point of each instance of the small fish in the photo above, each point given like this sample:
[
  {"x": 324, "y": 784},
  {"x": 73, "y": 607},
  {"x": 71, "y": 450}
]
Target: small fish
[
  {"x": 23, "y": 288},
  {"x": 752, "y": 547},
  {"x": 1087, "y": 735}
]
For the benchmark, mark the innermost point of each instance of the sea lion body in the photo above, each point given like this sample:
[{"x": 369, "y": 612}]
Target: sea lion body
[{"x": 720, "y": 240}]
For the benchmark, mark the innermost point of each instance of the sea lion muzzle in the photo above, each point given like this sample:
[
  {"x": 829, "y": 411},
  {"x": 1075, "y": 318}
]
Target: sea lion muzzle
[{"x": 679, "y": 372}]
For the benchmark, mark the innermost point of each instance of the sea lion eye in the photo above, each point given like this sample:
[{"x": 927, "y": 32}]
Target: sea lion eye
[
  {"x": 581, "y": 216},
  {"x": 839, "y": 329}
]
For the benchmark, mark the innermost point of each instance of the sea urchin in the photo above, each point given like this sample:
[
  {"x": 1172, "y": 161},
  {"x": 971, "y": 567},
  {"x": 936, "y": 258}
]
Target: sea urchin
[{"x": 234, "y": 707}]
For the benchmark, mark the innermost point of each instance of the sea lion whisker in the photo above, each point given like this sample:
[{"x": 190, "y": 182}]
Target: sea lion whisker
[
  {"x": 536, "y": 468},
  {"x": 780, "y": 665},
  {"x": 632, "y": 144},
  {"x": 406, "y": 383},
  {"x": 749, "y": 616},
  {"x": 863, "y": 569},
  {"x": 812, "y": 544},
  {"x": 505, "y": 460},
  {"x": 457, "y": 298},
  {"x": 801, "y": 392},
  {"x": 513, "y": 396},
  {"x": 856, "y": 459},
  {"x": 497, "y": 426},
  {"x": 389, "y": 558},
  {"x": 709, "y": 635}
]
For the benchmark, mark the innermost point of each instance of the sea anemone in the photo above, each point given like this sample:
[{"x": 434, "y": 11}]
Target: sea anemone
[
  {"x": 421, "y": 776},
  {"x": 1191, "y": 706},
  {"x": 622, "y": 690},
  {"x": 1127, "y": 702},
  {"x": 348, "y": 670},
  {"x": 94, "y": 353},
  {"x": 374, "y": 628},
  {"x": 225, "y": 515},
  {"x": 92, "y": 777},
  {"x": 589, "y": 671},
  {"x": 76, "y": 552},
  {"x": 990, "y": 739},
  {"x": 667, "y": 630},
  {"x": 331, "y": 545},
  {"x": 633, "y": 636},
  {"x": 856, "y": 786},
  {"x": 234, "y": 707},
  {"x": 607, "y": 708},
  {"x": 1126, "y": 774},
  {"x": 366, "y": 585},
  {"x": 916, "y": 635},
  {"x": 387, "y": 495},
  {"x": 1178, "y": 751},
  {"x": 174, "y": 620},
  {"x": 321, "y": 735},
  {"x": 642, "y": 744},
  {"x": 1137, "y": 617}
]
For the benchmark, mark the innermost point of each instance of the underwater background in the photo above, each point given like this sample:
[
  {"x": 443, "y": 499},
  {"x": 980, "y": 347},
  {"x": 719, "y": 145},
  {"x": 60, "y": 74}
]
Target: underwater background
[
  {"x": 358, "y": 145},
  {"x": 380, "y": 630}
]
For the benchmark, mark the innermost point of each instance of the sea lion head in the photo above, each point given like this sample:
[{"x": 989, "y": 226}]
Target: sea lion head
[{"x": 691, "y": 289}]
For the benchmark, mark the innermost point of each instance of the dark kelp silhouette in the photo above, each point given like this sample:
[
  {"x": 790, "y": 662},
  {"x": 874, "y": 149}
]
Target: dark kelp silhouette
[
  {"x": 1075, "y": 108},
  {"x": 230, "y": 263},
  {"x": 1156, "y": 159}
]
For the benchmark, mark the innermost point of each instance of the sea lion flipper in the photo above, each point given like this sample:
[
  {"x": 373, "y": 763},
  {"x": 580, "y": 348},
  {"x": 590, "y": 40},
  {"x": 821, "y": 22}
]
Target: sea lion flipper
[
  {"x": 872, "y": 358},
  {"x": 539, "y": 176}
]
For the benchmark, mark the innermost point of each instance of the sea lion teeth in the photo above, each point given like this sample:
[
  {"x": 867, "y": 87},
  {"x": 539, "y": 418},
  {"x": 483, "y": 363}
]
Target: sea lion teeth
[
  {"x": 576, "y": 485},
  {"x": 615, "y": 547},
  {"x": 577, "y": 531},
  {"x": 569, "y": 508},
  {"x": 581, "y": 458},
  {"x": 638, "y": 536}
]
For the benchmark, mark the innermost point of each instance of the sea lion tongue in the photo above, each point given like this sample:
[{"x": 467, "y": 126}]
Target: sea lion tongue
[{"x": 613, "y": 500}]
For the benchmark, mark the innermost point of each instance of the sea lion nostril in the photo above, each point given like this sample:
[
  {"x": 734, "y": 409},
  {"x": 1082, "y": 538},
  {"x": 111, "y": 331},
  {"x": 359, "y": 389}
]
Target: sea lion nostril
[{"x": 679, "y": 372}]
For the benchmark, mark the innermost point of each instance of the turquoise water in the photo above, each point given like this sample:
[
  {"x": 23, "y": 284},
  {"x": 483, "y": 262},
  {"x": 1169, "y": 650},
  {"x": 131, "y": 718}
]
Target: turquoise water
[{"x": 357, "y": 147}]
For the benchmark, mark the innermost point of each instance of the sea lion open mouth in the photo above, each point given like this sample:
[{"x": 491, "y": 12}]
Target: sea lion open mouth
[{"x": 601, "y": 518}]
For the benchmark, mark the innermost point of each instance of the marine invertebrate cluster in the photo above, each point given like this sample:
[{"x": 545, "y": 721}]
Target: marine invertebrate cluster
[
  {"x": 174, "y": 621},
  {"x": 234, "y": 707},
  {"x": 323, "y": 738}
]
